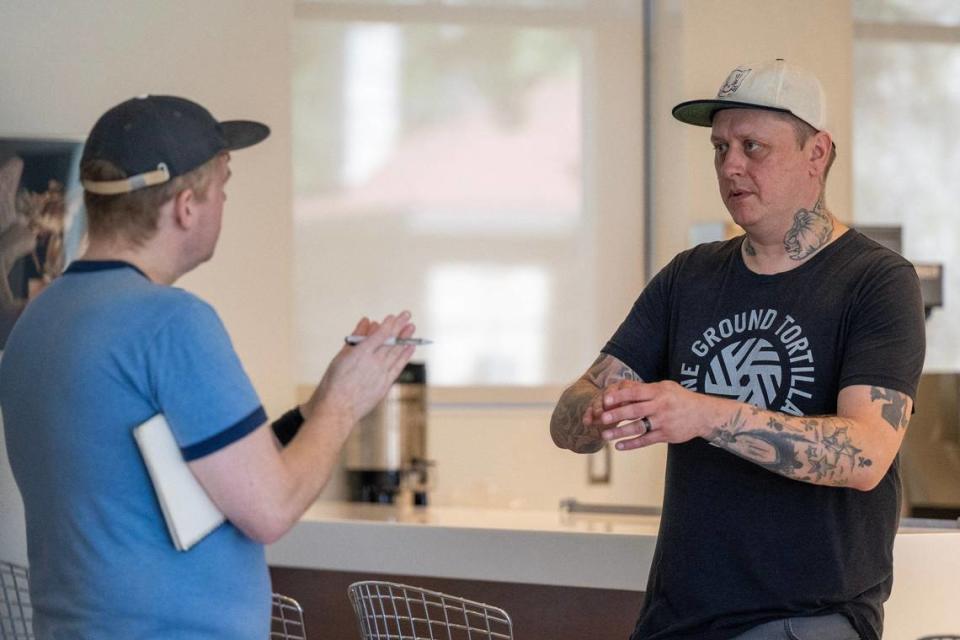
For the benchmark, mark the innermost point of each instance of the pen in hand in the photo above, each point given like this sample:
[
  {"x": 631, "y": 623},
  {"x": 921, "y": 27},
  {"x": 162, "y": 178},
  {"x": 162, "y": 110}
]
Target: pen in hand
[{"x": 353, "y": 340}]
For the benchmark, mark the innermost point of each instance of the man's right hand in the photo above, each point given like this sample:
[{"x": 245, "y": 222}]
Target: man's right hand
[
  {"x": 360, "y": 375},
  {"x": 575, "y": 423},
  {"x": 263, "y": 490}
]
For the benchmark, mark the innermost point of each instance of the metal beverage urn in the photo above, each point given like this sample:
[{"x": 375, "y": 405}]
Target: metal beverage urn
[{"x": 385, "y": 455}]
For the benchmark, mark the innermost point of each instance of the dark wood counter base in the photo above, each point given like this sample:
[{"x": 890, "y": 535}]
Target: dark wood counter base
[{"x": 539, "y": 612}]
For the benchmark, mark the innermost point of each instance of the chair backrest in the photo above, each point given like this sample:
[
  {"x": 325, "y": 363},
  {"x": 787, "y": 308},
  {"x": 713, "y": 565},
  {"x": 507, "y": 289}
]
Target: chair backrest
[
  {"x": 16, "y": 613},
  {"x": 391, "y": 611},
  {"x": 286, "y": 619}
]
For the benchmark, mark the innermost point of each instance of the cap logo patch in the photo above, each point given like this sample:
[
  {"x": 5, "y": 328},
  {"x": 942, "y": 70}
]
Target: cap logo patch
[{"x": 733, "y": 82}]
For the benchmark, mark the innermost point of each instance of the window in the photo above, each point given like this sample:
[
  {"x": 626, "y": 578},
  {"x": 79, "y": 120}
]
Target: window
[
  {"x": 907, "y": 142},
  {"x": 445, "y": 162}
]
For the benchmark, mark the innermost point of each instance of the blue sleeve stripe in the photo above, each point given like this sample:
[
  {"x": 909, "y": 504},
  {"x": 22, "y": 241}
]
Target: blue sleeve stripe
[{"x": 228, "y": 436}]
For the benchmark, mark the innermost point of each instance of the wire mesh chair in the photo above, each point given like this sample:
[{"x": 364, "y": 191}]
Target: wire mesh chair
[
  {"x": 391, "y": 611},
  {"x": 286, "y": 619},
  {"x": 16, "y": 613}
]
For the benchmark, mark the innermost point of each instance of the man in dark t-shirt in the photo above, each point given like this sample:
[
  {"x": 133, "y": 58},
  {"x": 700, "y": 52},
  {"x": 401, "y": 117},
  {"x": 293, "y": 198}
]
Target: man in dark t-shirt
[{"x": 780, "y": 367}]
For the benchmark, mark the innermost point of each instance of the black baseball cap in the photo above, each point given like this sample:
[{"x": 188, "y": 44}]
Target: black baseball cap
[{"x": 153, "y": 139}]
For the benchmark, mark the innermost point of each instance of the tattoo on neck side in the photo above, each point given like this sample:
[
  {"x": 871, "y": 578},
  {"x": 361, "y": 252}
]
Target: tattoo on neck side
[
  {"x": 748, "y": 247},
  {"x": 811, "y": 230}
]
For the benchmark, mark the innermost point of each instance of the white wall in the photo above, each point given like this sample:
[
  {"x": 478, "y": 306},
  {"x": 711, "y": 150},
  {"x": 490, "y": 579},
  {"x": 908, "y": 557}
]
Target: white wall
[
  {"x": 505, "y": 458},
  {"x": 67, "y": 61}
]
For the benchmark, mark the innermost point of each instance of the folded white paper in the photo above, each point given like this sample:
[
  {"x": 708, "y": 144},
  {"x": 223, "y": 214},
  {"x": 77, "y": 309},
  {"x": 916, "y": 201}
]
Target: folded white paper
[{"x": 188, "y": 510}]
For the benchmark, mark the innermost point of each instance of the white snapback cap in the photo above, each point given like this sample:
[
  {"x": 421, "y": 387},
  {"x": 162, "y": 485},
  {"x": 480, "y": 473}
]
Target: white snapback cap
[{"x": 774, "y": 85}]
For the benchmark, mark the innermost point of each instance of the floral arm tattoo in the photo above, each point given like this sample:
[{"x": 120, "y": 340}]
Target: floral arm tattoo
[
  {"x": 819, "y": 449},
  {"x": 566, "y": 424}
]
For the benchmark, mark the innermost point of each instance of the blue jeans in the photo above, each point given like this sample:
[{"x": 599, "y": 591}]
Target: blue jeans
[{"x": 832, "y": 627}]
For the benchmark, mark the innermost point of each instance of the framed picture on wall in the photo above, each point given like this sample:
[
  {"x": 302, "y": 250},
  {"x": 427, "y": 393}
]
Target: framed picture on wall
[{"x": 41, "y": 219}]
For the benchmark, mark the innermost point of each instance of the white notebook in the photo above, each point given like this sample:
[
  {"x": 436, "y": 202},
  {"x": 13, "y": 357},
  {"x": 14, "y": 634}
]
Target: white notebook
[{"x": 188, "y": 510}]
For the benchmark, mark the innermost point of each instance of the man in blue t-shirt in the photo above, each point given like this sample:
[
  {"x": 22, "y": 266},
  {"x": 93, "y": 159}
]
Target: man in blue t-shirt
[
  {"x": 112, "y": 343},
  {"x": 780, "y": 367}
]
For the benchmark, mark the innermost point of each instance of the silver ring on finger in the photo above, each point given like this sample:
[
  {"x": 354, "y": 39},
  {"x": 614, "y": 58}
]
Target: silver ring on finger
[{"x": 647, "y": 426}]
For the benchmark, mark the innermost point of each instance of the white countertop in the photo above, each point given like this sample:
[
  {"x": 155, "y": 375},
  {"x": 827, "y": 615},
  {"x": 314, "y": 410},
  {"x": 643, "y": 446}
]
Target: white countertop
[
  {"x": 511, "y": 545},
  {"x": 554, "y": 521},
  {"x": 538, "y": 547}
]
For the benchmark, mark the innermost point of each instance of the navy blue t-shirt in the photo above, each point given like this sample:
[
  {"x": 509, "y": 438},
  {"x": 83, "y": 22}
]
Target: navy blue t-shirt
[{"x": 740, "y": 545}]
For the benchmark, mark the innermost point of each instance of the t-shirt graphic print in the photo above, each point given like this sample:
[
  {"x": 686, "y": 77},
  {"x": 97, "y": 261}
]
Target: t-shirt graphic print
[{"x": 759, "y": 357}]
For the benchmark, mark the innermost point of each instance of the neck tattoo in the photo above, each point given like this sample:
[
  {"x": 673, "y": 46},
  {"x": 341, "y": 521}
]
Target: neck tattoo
[
  {"x": 811, "y": 230},
  {"x": 748, "y": 247}
]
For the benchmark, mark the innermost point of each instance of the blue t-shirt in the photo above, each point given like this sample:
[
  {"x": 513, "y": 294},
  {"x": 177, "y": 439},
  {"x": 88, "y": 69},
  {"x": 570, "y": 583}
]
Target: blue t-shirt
[{"x": 99, "y": 352}]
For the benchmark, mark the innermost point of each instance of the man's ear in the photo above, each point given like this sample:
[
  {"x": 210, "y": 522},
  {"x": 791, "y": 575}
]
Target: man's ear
[
  {"x": 820, "y": 145},
  {"x": 184, "y": 215}
]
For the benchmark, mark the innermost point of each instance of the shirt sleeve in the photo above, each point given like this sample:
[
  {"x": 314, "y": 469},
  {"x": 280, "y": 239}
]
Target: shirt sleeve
[
  {"x": 641, "y": 340},
  {"x": 886, "y": 342},
  {"x": 199, "y": 383}
]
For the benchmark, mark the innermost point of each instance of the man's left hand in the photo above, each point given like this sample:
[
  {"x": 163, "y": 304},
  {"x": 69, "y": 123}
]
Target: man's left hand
[{"x": 645, "y": 413}]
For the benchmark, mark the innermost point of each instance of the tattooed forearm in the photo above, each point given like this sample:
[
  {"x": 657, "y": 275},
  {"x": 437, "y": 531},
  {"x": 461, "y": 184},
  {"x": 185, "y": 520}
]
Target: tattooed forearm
[
  {"x": 607, "y": 370},
  {"x": 566, "y": 424},
  {"x": 811, "y": 231},
  {"x": 894, "y": 410},
  {"x": 818, "y": 450}
]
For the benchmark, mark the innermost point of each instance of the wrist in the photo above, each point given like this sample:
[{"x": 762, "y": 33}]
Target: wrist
[
  {"x": 334, "y": 418},
  {"x": 719, "y": 416}
]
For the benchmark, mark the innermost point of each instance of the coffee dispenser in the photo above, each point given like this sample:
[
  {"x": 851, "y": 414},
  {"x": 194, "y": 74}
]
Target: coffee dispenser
[{"x": 385, "y": 455}]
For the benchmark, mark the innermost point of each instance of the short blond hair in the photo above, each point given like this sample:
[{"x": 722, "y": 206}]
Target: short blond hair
[
  {"x": 133, "y": 216},
  {"x": 803, "y": 132}
]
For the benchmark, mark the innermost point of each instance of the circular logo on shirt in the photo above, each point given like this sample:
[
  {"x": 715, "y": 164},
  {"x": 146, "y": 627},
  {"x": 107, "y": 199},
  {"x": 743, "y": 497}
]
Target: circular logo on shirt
[
  {"x": 757, "y": 356},
  {"x": 746, "y": 370}
]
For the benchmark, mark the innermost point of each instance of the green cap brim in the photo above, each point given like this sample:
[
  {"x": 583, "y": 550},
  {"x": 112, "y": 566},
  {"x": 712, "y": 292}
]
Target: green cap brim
[{"x": 701, "y": 112}]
